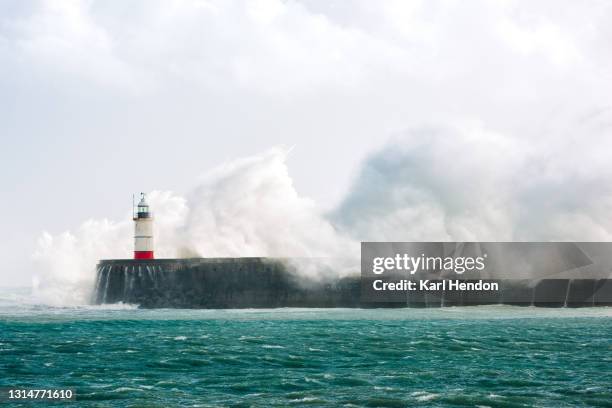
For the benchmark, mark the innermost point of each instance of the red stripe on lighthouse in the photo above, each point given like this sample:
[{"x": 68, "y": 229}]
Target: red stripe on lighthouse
[{"x": 143, "y": 255}]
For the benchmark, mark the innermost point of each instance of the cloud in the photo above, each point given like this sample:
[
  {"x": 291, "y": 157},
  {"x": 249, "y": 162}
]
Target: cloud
[
  {"x": 64, "y": 39},
  {"x": 275, "y": 46},
  {"x": 268, "y": 46},
  {"x": 465, "y": 182}
]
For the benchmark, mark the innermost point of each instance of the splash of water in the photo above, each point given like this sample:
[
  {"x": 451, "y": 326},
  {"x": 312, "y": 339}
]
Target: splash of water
[
  {"x": 462, "y": 183},
  {"x": 248, "y": 207}
]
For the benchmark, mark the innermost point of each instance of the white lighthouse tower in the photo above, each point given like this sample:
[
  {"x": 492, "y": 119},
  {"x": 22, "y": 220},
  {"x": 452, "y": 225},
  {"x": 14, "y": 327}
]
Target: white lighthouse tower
[{"x": 143, "y": 230}]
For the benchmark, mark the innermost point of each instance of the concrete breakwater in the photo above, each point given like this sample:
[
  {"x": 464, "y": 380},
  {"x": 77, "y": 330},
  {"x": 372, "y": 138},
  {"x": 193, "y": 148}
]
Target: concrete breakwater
[
  {"x": 269, "y": 283},
  {"x": 217, "y": 283}
]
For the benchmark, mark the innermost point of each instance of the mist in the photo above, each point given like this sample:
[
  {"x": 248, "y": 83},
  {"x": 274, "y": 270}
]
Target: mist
[
  {"x": 469, "y": 182},
  {"x": 461, "y": 182},
  {"x": 245, "y": 207}
]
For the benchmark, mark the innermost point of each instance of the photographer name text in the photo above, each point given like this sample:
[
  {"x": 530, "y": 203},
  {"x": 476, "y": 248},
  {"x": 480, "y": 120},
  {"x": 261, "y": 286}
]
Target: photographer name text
[{"x": 434, "y": 285}]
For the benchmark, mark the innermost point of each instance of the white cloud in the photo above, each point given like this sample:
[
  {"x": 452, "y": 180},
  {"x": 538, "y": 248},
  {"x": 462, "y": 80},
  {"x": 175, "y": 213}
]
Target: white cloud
[
  {"x": 467, "y": 183},
  {"x": 546, "y": 38},
  {"x": 522, "y": 86},
  {"x": 283, "y": 47},
  {"x": 63, "y": 37}
]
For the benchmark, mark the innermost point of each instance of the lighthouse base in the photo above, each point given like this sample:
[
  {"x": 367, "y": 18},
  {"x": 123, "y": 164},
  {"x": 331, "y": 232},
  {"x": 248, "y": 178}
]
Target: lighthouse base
[{"x": 143, "y": 255}]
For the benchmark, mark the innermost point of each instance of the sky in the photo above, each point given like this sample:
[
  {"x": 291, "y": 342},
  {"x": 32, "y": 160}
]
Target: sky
[{"x": 450, "y": 119}]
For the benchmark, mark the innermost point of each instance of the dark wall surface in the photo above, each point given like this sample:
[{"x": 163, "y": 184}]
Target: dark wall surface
[
  {"x": 217, "y": 283},
  {"x": 269, "y": 283}
]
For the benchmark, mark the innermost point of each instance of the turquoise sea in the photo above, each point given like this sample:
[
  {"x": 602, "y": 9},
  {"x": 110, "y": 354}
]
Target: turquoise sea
[{"x": 493, "y": 356}]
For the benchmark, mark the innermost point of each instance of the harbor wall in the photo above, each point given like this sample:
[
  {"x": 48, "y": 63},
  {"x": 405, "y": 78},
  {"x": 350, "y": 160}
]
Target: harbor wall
[
  {"x": 270, "y": 283},
  {"x": 218, "y": 283}
]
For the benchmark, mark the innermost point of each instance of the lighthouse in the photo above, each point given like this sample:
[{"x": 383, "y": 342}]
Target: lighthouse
[{"x": 143, "y": 230}]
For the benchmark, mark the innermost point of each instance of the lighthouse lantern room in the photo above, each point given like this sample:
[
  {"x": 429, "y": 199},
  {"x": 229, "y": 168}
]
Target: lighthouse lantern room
[{"x": 143, "y": 230}]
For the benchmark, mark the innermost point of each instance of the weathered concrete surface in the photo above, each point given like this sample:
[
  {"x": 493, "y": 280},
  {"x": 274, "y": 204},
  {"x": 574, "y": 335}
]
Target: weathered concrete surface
[
  {"x": 217, "y": 283},
  {"x": 269, "y": 283}
]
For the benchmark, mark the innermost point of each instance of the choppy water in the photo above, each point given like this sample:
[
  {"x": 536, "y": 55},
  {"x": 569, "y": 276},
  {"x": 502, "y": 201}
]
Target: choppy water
[{"x": 499, "y": 356}]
